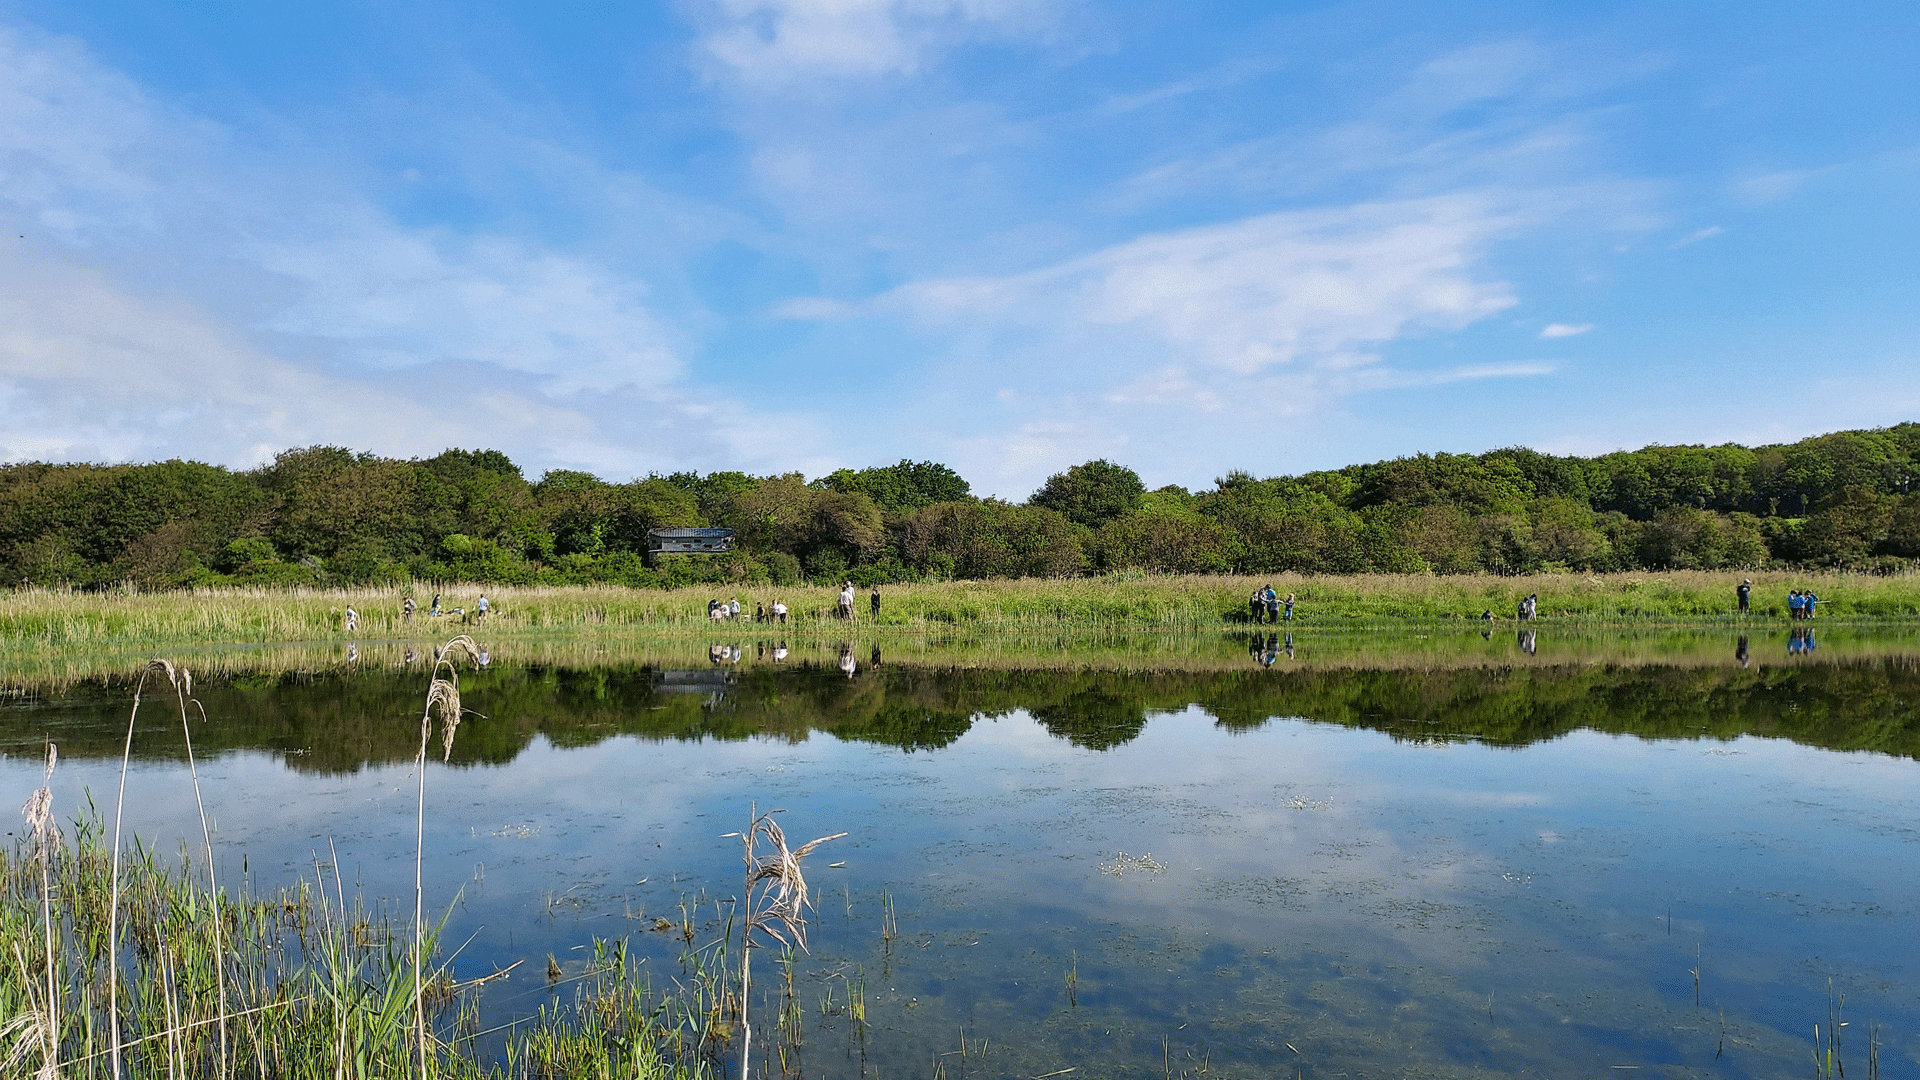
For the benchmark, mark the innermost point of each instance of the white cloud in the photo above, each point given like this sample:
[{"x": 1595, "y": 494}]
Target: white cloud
[
  {"x": 1247, "y": 295},
  {"x": 779, "y": 41},
  {"x": 1560, "y": 330},
  {"x": 189, "y": 291},
  {"x": 1771, "y": 187},
  {"x": 1695, "y": 237}
]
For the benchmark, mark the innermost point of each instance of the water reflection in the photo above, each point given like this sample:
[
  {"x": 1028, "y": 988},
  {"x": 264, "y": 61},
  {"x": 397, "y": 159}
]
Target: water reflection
[
  {"x": 1353, "y": 869},
  {"x": 342, "y": 719}
]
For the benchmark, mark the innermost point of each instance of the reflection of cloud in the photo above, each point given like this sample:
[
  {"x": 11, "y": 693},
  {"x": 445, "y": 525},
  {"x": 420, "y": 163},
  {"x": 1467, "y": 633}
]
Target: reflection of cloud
[{"x": 1560, "y": 330}]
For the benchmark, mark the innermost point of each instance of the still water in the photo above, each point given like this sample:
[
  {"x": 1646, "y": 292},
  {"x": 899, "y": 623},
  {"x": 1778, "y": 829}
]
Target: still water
[{"x": 1370, "y": 858}]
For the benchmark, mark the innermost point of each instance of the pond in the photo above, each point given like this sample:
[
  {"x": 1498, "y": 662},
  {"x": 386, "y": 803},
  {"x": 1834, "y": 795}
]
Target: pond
[{"x": 1435, "y": 856}]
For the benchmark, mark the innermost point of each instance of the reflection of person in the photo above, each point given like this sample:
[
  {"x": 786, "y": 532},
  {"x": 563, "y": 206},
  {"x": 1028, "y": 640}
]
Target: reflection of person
[
  {"x": 847, "y": 666},
  {"x": 875, "y": 660},
  {"x": 1529, "y": 643},
  {"x": 1745, "y": 592},
  {"x": 1289, "y": 644},
  {"x": 779, "y": 652},
  {"x": 1740, "y": 650}
]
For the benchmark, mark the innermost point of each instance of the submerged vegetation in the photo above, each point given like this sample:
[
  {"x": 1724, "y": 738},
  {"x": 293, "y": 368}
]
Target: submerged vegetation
[{"x": 329, "y": 517}]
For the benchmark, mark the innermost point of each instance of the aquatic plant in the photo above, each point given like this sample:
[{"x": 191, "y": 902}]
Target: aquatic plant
[{"x": 775, "y": 903}]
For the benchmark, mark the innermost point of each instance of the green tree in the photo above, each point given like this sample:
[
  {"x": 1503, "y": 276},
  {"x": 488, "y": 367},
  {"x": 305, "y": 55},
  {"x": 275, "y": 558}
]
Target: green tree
[
  {"x": 1091, "y": 494},
  {"x": 898, "y": 489}
]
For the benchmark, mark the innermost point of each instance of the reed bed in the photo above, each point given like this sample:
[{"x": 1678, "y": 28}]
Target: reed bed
[
  {"x": 316, "y": 985},
  {"x": 59, "y": 619},
  {"x": 116, "y": 964}
]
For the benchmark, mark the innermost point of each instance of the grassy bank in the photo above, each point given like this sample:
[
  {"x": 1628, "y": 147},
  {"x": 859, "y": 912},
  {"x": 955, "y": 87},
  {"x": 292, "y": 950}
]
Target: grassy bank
[{"x": 1142, "y": 602}]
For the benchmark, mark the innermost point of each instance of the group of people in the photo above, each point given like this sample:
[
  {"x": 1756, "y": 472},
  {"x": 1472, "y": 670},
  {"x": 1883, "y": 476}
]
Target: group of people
[
  {"x": 408, "y": 608},
  {"x": 1800, "y": 604},
  {"x": 1530, "y": 608},
  {"x": 730, "y": 609},
  {"x": 480, "y": 608},
  {"x": 1266, "y": 606},
  {"x": 843, "y": 607}
]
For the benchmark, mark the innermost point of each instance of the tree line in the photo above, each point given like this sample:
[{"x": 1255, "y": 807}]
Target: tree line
[{"x": 325, "y": 515}]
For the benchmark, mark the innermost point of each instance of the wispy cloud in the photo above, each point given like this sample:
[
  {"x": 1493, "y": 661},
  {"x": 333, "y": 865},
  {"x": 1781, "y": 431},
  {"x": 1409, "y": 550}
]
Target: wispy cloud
[
  {"x": 775, "y": 42},
  {"x": 1560, "y": 330},
  {"x": 293, "y": 309},
  {"x": 1250, "y": 294},
  {"x": 1695, "y": 237}
]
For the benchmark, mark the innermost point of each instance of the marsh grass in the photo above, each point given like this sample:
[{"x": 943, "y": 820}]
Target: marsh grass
[
  {"x": 114, "y": 963},
  {"x": 57, "y": 619}
]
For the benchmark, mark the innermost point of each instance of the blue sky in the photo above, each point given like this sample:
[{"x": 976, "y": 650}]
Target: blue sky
[{"x": 1007, "y": 236}]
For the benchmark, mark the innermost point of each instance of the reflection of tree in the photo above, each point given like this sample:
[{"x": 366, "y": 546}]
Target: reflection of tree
[
  {"x": 341, "y": 722},
  {"x": 1098, "y": 718}
]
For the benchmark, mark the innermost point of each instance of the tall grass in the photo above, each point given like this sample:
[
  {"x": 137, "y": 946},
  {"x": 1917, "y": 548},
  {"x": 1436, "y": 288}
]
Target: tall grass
[
  {"x": 52, "y": 619},
  {"x": 120, "y": 964}
]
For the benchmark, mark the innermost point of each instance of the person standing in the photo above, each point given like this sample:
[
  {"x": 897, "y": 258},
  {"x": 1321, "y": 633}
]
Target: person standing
[
  {"x": 1273, "y": 604},
  {"x": 733, "y": 607},
  {"x": 1745, "y": 592},
  {"x": 873, "y": 601},
  {"x": 406, "y": 610},
  {"x": 780, "y": 612},
  {"x": 1809, "y": 600},
  {"x": 481, "y": 609},
  {"x": 1289, "y": 612}
]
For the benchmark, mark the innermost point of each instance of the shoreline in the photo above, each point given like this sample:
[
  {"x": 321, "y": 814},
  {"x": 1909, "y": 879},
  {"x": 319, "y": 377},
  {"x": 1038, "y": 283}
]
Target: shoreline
[{"x": 49, "y": 620}]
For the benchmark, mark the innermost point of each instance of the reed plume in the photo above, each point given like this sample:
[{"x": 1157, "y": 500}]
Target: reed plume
[{"x": 776, "y": 895}]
